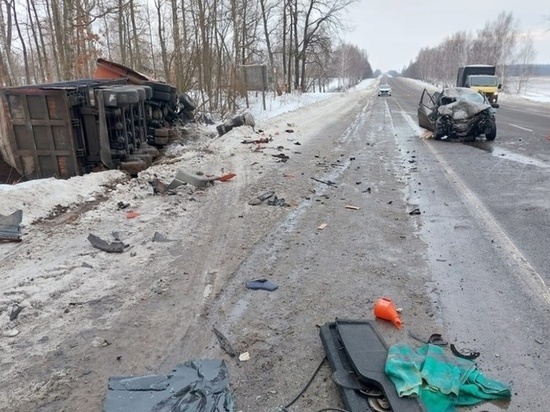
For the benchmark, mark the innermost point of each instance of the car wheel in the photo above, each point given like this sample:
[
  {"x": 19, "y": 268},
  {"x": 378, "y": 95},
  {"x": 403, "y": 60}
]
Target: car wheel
[{"x": 492, "y": 134}]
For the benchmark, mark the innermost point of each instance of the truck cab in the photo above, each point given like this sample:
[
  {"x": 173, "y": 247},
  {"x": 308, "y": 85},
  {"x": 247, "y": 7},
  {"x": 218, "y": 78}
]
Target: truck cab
[{"x": 480, "y": 77}]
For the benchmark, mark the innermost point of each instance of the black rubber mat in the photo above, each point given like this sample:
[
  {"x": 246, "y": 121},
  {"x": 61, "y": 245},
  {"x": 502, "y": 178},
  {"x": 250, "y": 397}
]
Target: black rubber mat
[{"x": 355, "y": 346}]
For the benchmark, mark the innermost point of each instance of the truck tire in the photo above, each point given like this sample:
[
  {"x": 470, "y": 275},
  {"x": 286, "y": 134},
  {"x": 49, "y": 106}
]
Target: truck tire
[
  {"x": 148, "y": 92},
  {"x": 163, "y": 96},
  {"x": 159, "y": 87}
]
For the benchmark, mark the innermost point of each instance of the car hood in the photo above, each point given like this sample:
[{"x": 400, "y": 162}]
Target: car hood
[{"x": 462, "y": 108}]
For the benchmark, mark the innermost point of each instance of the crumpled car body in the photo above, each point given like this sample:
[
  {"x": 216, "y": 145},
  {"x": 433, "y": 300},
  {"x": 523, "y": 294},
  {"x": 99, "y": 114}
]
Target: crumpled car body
[{"x": 457, "y": 113}]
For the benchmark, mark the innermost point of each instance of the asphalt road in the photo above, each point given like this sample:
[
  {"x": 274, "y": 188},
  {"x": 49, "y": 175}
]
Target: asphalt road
[{"x": 486, "y": 208}]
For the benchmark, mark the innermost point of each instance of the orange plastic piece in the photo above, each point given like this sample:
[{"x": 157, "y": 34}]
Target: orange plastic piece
[
  {"x": 385, "y": 309},
  {"x": 227, "y": 177}
]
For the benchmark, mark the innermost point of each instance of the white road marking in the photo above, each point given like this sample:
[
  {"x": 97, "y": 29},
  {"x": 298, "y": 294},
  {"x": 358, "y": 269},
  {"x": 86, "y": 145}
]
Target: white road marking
[{"x": 519, "y": 127}]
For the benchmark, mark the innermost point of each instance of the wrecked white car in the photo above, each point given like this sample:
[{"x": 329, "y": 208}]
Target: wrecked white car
[{"x": 457, "y": 113}]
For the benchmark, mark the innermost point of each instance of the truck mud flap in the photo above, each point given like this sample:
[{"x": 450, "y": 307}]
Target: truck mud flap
[{"x": 356, "y": 347}]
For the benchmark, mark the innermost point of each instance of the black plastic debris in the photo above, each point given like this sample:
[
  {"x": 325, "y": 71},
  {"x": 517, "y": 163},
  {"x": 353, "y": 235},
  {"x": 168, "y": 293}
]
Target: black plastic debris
[
  {"x": 326, "y": 182},
  {"x": 196, "y": 385},
  {"x": 10, "y": 227},
  {"x": 263, "y": 284},
  {"x": 114, "y": 247},
  {"x": 15, "y": 311},
  {"x": 224, "y": 343},
  {"x": 356, "y": 348},
  {"x": 414, "y": 212},
  {"x": 283, "y": 157},
  {"x": 261, "y": 198},
  {"x": 277, "y": 201}
]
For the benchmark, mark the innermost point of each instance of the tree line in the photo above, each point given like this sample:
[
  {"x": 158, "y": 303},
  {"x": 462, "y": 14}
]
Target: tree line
[
  {"x": 498, "y": 43},
  {"x": 198, "y": 45}
]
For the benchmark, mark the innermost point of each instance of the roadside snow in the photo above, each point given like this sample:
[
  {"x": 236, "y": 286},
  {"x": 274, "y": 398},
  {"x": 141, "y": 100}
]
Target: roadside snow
[{"x": 38, "y": 198}]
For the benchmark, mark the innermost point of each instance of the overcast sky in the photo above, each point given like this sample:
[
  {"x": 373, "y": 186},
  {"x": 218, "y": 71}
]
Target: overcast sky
[{"x": 393, "y": 31}]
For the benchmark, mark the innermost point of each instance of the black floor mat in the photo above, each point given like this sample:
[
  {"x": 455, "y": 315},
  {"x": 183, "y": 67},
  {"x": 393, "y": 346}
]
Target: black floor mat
[{"x": 355, "y": 346}]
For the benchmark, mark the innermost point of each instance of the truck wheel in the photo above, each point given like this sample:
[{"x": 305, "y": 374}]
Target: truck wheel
[{"x": 163, "y": 96}]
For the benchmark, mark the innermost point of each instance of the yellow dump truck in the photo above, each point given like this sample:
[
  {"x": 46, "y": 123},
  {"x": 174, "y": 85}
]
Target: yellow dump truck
[{"x": 481, "y": 77}]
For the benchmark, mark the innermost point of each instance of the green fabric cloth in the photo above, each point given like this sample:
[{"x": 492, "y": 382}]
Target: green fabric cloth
[{"x": 441, "y": 380}]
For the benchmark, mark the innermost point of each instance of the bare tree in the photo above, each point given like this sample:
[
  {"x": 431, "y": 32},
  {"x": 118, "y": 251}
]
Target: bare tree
[{"x": 525, "y": 57}]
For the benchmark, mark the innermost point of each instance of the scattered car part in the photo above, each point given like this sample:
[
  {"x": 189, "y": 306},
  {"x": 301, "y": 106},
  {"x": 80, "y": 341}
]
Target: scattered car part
[
  {"x": 434, "y": 339},
  {"x": 261, "y": 198},
  {"x": 196, "y": 385},
  {"x": 183, "y": 177},
  {"x": 10, "y": 227},
  {"x": 114, "y": 247},
  {"x": 457, "y": 113},
  {"x": 224, "y": 343},
  {"x": 159, "y": 237},
  {"x": 471, "y": 355},
  {"x": 15, "y": 311},
  {"x": 241, "y": 120},
  {"x": 262, "y": 284},
  {"x": 356, "y": 346}
]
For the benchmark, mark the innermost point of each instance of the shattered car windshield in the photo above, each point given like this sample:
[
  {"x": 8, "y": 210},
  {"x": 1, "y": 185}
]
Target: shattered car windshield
[{"x": 453, "y": 95}]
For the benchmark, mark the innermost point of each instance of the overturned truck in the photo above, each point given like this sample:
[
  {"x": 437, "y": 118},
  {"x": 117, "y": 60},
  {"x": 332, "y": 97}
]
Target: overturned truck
[{"x": 76, "y": 127}]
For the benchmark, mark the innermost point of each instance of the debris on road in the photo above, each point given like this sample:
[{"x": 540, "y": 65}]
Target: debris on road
[
  {"x": 196, "y": 385},
  {"x": 227, "y": 177},
  {"x": 241, "y": 120},
  {"x": 262, "y": 284},
  {"x": 470, "y": 355},
  {"x": 183, "y": 177},
  {"x": 15, "y": 311},
  {"x": 243, "y": 357},
  {"x": 326, "y": 182},
  {"x": 159, "y": 237},
  {"x": 224, "y": 343},
  {"x": 414, "y": 212},
  {"x": 351, "y": 207},
  {"x": 385, "y": 309},
  {"x": 131, "y": 214},
  {"x": 261, "y": 198},
  {"x": 12, "y": 333},
  {"x": 344, "y": 342},
  {"x": 447, "y": 381},
  {"x": 10, "y": 227},
  {"x": 322, "y": 226},
  {"x": 277, "y": 201},
  {"x": 434, "y": 339},
  {"x": 258, "y": 141},
  {"x": 159, "y": 188},
  {"x": 114, "y": 247},
  {"x": 283, "y": 157}
]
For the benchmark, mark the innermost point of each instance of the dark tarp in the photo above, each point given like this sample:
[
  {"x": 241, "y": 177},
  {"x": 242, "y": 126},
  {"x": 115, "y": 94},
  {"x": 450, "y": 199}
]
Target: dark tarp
[{"x": 194, "y": 386}]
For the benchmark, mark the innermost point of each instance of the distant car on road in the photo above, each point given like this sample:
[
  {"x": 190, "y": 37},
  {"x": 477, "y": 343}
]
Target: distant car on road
[
  {"x": 384, "y": 90},
  {"x": 457, "y": 113}
]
